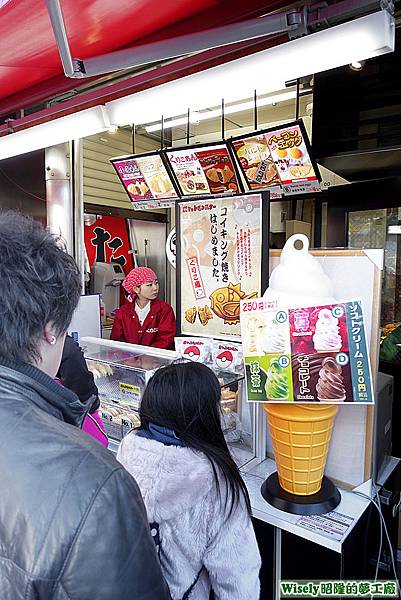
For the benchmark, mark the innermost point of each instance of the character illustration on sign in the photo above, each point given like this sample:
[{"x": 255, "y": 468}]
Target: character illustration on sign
[{"x": 225, "y": 302}]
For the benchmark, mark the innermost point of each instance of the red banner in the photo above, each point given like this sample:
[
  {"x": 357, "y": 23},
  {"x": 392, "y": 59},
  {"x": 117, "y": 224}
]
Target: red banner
[{"x": 107, "y": 241}]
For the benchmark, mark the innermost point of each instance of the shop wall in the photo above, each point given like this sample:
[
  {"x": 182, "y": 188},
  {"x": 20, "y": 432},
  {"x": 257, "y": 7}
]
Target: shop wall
[
  {"x": 101, "y": 185},
  {"x": 22, "y": 184}
]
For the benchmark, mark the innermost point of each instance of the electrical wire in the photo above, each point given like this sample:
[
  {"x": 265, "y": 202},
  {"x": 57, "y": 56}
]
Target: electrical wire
[
  {"x": 19, "y": 186},
  {"x": 382, "y": 526}
]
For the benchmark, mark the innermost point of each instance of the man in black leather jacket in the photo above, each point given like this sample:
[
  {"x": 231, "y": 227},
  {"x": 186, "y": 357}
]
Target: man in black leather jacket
[{"x": 72, "y": 521}]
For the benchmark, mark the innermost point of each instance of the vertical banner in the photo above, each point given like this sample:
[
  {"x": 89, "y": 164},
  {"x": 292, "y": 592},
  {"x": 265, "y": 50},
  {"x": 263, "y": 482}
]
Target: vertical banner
[
  {"x": 220, "y": 263},
  {"x": 107, "y": 241}
]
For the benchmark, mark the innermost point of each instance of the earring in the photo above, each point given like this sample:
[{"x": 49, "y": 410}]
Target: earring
[{"x": 53, "y": 340}]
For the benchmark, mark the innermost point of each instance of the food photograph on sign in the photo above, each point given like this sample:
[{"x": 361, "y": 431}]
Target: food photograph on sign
[
  {"x": 145, "y": 178},
  {"x": 220, "y": 263},
  {"x": 258, "y": 167},
  {"x": 204, "y": 171},
  {"x": 314, "y": 354},
  {"x": 279, "y": 159}
]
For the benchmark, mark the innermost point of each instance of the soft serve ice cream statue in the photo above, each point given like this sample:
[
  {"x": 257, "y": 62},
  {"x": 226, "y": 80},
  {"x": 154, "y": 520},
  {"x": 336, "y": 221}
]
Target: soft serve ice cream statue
[{"x": 299, "y": 280}]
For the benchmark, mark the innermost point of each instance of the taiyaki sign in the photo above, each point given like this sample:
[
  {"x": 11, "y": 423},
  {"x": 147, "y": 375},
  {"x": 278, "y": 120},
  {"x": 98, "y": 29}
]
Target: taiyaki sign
[
  {"x": 220, "y": 263},
  {"x": 313, "y": 354},
  {"x": 204, "y": 171},
  {"x": 146, "y": 180}
]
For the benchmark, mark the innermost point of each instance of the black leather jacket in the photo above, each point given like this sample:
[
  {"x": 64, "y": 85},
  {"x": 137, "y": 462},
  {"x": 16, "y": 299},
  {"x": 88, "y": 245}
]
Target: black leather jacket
[{"x": 72, "y": 520}]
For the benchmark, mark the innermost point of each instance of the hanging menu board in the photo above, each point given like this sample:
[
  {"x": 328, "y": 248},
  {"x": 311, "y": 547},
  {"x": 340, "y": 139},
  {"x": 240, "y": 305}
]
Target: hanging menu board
[
  {"x": 204, "y": 171},
  {"x": 279, "y": 160},
  {"x": 220, "y": 258},
  {"x": 146, "y": 180}
]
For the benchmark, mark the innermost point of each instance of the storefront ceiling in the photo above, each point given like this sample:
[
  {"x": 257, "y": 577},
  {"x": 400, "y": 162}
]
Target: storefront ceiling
[{"x": 30, "y": 67}]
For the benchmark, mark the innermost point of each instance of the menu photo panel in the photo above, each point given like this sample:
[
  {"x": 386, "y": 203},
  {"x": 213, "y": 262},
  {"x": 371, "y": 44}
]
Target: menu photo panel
[
  {"x": 146, "y": 180},
  {"x": 278, "y": 159},
  {"x": 204, "y": 171}
]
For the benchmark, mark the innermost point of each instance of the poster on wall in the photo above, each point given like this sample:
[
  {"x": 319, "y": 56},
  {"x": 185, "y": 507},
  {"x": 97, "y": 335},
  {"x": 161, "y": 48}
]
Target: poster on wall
[
  {"x": 106, "y": 240},
  {"x": 146, "y": 180},
  {"x": 220, "y": 263},
  {"x": 313, "y": 354},
  {"x": 204, "y": 171},
  {"x": 279, "y": 160}
]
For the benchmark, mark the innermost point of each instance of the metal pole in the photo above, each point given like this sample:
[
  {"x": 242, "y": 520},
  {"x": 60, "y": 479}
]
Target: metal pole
[
  {"x": 57, "y": 21},
  {"x": 133, "y": 137},
  {"x": 222, "y": 119},
  {"x": 188, "y": 113},
  {"x": 59, "y": 204},
  {"x": 255, "y": 110},
  {"x": 162, "y": 134},
  {"x": 297, "y": 101}
]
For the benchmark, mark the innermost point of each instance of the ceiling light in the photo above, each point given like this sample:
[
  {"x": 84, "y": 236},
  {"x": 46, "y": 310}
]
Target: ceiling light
[
  {"x": 78, "y": 125},
  {"x": 268, "y": 70},
  {"x": 357, "y": 65},
  {"x": 228, "y": 110}
]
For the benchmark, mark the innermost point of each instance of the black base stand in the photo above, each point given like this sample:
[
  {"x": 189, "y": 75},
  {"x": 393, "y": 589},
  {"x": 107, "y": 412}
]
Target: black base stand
[{"x": 317, "y": 504}]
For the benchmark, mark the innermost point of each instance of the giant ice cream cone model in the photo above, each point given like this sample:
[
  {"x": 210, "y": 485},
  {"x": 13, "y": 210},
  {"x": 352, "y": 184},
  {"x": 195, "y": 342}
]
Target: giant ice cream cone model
[
  {"x": 301, "y": 432},
  {"x": 301, "y": 436},
  {"x": 299, "y": 280}
]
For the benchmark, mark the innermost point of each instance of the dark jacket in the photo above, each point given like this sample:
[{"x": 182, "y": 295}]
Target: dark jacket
[
  {"x": 74, "y": 374},
  {"x": 158, "y": 329},
  {"x": 72, "y": 520}
]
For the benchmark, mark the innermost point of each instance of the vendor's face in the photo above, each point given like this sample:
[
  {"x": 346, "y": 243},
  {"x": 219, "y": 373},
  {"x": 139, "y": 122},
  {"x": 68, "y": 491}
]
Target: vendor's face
[{"x": 148, "y": 291}]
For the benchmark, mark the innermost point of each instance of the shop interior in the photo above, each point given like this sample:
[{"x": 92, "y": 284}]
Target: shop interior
[{"x": 357, "y": 209}]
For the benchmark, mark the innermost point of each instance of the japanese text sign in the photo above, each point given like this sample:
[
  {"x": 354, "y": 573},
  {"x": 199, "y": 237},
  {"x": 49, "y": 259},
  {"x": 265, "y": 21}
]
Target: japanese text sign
[
  {"x": 220, "y": 263},
  {"x": 313, "y": 354}
]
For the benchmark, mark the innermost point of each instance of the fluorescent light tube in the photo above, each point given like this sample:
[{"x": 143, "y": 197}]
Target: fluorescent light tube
[
  {"x": 228, "y": 110},
  {"x": 264, "y": 71},
  {"x": 74, "y": 126}
]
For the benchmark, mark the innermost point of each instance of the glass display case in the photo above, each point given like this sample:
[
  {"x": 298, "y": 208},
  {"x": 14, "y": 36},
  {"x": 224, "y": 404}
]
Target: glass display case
[{"x": 121, "y": 372}]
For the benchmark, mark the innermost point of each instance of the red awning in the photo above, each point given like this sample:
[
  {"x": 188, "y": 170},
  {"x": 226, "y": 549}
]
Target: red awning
[{"x": 30, "y": 66}]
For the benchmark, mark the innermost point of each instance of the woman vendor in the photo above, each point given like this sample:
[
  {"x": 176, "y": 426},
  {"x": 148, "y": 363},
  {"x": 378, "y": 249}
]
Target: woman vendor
[{"x": 144, "y": 319}]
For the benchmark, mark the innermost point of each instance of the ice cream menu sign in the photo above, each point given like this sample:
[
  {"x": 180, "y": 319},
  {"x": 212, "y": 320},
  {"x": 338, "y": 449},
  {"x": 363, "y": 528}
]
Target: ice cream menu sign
[
  {"x": 315, "y": 354},
  {"x": 145, "y": 180},
  {"x": 279, "y": 160},
  {"x": 204, "y": 171}
]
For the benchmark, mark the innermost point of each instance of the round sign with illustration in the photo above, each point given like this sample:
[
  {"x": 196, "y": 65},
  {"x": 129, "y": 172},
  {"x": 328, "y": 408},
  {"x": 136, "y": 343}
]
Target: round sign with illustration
[{"x": 171, "y": 248}]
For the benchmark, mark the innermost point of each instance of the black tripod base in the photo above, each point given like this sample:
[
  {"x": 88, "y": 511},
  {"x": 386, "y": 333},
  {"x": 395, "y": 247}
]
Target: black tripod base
[{"x": 317, "y": 504}]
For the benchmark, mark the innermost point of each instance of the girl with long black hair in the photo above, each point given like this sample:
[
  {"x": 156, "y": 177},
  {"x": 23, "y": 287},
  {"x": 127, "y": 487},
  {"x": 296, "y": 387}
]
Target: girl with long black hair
[{"x": 196, "y": 500}]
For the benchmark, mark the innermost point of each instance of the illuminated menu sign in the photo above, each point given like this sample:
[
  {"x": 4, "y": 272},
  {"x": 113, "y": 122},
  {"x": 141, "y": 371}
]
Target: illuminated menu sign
[
  {"x": 279, "y": 160},
  {"x": 146, "y": 180},
  {"x": 204, "y": 171}
]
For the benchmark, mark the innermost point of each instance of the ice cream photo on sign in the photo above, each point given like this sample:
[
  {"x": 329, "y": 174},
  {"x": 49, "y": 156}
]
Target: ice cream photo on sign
[
  {"x": 275, "y": 338},
  {"x": 277, "y": 385},
  {"x": 330, "y": 385},
  {"x": 327, "y": 337}
]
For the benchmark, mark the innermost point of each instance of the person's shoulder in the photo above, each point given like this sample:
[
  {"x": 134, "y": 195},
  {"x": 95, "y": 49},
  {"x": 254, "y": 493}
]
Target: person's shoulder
[
  {"x": 160, "y": 305},
  {"x": 126, "y": 309}
]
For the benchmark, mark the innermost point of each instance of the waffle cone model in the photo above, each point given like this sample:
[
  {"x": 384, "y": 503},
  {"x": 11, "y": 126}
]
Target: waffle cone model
[{"x": 301, "y": 436}]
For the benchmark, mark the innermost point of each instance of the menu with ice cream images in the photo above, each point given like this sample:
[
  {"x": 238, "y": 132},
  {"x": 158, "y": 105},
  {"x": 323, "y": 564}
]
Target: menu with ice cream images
[
  {"x": 145, "y": 179},
  {"x": 204, "y": 171},
  {"x": 313, "y": 354}
]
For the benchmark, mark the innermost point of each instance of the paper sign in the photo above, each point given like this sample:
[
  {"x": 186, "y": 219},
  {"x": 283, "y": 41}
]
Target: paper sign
[
  {"x": 220, "y": 263},
  {"x": 332, "y": 525},
  {"x": 314, "y": 354}
]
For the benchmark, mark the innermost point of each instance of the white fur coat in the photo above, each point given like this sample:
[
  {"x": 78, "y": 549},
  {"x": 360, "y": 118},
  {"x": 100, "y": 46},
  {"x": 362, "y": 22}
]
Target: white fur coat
[{"x": 179, "y": 493}]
